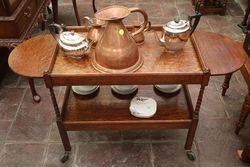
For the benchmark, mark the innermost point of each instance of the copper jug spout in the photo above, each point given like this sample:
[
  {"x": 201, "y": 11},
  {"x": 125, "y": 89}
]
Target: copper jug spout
[
  {"x": 116, "y": 51},
  {"x": 95, "y": 30}
]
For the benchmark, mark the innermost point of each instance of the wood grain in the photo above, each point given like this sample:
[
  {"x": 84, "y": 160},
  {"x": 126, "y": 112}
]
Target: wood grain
[
  {"x": 33, "y": 57},
  {"x": 221, "y": 54}
]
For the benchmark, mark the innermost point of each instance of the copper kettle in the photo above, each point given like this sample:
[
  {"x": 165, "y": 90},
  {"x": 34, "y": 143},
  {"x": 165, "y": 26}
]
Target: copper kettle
[{"x": 116, "y": 51}]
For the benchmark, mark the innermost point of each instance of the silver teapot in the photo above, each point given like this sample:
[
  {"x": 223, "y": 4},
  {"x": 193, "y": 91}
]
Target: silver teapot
[
  {"x": 72, "y": 44},
  {"x": 176, "y": 33}
]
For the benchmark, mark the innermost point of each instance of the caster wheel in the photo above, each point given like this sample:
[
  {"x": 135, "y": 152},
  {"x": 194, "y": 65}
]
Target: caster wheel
[
  {"x": 191, "y": 155},
  {"x": 37, "y": 98},
  {"x": 65, "y": 158}
]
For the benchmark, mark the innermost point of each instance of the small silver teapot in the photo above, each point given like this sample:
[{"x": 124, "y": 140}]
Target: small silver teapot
[
  {"x": 176, "y": 33},
  {"x": 72, "y": 44}
]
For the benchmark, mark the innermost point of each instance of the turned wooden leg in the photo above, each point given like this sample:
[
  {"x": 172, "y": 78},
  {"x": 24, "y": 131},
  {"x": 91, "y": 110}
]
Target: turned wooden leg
[
  {"x": 243, "y": 115},
  {"x": 63, "y": 133},
  {"x": 94, "y": 7},
  {"x": 76, "y": 12},
  {"x": 192, "y": 129},
  {"x": 55, "y": 10},
  {"x": 35, "y": 95},
  {"x": 225, "y": 85}
]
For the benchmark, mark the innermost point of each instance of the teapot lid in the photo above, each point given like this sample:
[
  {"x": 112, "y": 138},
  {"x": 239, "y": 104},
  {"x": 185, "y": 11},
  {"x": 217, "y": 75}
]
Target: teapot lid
[
  {"x": 71, "y": 38},
  {"x": 176, "y": 26}
]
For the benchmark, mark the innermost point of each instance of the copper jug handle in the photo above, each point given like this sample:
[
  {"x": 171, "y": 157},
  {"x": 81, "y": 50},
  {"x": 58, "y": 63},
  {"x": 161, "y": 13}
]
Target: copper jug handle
[{"x": 144, "y": 24}]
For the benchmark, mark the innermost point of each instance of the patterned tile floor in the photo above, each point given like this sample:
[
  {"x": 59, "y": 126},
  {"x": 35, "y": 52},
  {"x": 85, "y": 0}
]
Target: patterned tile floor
[{"x": 29, "y": 137}]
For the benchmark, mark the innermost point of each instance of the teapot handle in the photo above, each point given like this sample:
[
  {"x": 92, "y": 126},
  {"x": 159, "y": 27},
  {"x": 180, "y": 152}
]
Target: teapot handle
[
  {"x": 144, "y": 24},
  {"x": 194, "y": 24},
  {"x": 55, "y": 30}
]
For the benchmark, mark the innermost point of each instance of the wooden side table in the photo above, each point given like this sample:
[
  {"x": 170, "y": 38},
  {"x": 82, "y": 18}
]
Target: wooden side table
[{"x": 159, "y": 68}]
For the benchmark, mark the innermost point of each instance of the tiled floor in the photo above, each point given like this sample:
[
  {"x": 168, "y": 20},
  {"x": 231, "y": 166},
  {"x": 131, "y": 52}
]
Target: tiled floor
[{"x": 29, "y": 137}]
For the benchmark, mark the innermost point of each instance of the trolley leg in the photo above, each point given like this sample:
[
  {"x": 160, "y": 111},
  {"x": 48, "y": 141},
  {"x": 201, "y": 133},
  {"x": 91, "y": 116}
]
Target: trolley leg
[
  {"x": 62, "y": 131},
  {"x": 94, "y": 7},
  {"x": 225, "y": 85},
  {"x": 192, "y": 129},
  {"x": 35, "y": 95},
  {"x": 76, "y": 12},
  {"x": 55, "y": 10},
  {"x": 243, "y": 115}
]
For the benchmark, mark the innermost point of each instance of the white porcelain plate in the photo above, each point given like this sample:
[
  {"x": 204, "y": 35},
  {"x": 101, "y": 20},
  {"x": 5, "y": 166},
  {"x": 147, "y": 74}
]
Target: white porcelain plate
[
  {"x": 143, "y": 107},
  {"x": 168, "y": 88},
  {"x": 84, "y": 90},
  {"x": 124, "y": 89}
]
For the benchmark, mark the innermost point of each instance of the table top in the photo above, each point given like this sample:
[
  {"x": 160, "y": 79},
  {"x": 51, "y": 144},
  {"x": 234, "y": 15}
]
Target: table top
[
  {"x": 155, "y": 60},
  {"x": 158, "y": 67},
  {"x": 221, "y": 55},
  {"x": 32, "y": 57}
]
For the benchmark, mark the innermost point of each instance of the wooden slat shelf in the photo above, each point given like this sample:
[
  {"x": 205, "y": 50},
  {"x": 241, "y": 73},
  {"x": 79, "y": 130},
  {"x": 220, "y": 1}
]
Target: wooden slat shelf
[{"x": 108, "y": 112}]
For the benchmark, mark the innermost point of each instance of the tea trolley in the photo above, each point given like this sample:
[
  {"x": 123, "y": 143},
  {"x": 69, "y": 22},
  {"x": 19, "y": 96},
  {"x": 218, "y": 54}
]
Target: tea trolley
[{"x": 107, "y": 111}]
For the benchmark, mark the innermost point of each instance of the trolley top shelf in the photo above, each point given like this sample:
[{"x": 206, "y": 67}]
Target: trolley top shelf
[
  {"x": 204, "y": 53},
  {"x": 184, "y": 67}
]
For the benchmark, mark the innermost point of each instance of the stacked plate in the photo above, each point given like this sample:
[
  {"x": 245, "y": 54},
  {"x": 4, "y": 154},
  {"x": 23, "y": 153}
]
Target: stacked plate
[
  {"x": 85, "y": 90},
  {"x": 168, "y": 88},
  {"x": 124, "y": 89}
]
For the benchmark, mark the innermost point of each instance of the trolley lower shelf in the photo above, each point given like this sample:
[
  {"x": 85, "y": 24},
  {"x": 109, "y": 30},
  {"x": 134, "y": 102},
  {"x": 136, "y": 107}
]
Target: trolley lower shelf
[{"x": 105, "y": 111}]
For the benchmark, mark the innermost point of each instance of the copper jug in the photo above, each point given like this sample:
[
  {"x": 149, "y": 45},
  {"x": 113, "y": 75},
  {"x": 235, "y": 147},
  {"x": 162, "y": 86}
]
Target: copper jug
[{"x": 116, "y": 51}]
